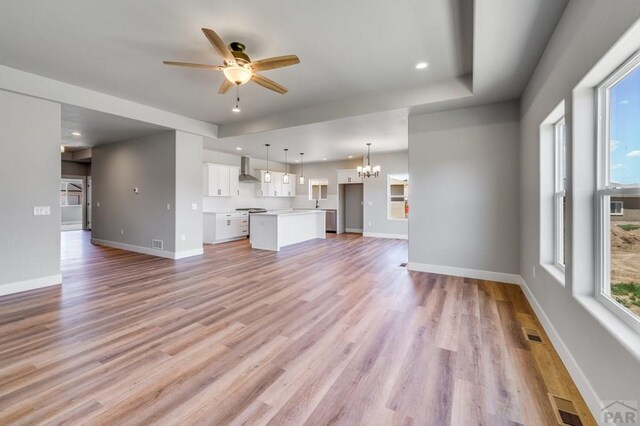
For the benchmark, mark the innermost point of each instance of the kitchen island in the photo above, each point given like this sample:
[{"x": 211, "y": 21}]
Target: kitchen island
[{"x": 276, "y": 229}]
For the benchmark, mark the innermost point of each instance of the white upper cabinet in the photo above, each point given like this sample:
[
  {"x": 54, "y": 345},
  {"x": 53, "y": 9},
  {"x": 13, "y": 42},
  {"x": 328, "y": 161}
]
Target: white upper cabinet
[
  {"x": 276, "y": 188},
  {"x": 220, "y": 180},
  {"x": 349, "y": 176}
]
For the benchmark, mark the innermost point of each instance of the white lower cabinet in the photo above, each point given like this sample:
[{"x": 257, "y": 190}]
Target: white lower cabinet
[{"x": 221, "y": 227}]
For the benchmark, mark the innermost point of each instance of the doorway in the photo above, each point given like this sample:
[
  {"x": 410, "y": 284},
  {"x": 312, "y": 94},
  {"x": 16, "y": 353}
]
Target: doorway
[{"x": 350, "y": 210}]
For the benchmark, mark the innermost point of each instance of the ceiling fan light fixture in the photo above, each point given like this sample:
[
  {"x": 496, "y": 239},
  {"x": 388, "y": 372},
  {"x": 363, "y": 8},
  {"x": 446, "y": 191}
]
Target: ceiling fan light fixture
[{"x": 237, "y": 74}]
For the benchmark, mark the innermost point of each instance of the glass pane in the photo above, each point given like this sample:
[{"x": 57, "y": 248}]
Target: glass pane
[
  {"x": 398, "y": 196},
  {"x": 625, "y": 253},
  {"x": 562, "y": 152},
  {"x": 624, "y": 110}
]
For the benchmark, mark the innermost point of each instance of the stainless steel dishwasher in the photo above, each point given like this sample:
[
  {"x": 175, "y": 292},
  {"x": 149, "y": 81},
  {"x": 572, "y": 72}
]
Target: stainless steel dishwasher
[{"x": 331, "y": 220}]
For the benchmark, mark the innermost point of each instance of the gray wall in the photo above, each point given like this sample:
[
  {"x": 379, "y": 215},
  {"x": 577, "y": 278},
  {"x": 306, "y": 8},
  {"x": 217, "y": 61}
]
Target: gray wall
[
  {"x": 327, "y": 170},
  {"x": 375, "y": 196},
  {"x": 463, "y": 188},
  {"x": 586, "y": 31},
  {"x": 148, "y": 163},
  {"x": 73, "y": 168},
  {"x": 353, "y": 199},
  {"x": 188, "y": 192},
  {"x": 30, "y": 141}
]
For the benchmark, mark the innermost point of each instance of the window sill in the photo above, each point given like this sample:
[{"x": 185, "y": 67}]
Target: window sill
[
  {"x": 616, "y": 327},
  {"x": 555, "y": 272}
]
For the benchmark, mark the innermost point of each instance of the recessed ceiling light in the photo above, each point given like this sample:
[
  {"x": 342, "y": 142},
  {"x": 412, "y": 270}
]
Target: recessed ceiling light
[
  {"x": 76, "y": 134},
  {"x": 239, "y": 148},
  {"x": 351, "y": 156},
  {"x": 297, "y": 161},
  {"x": 421, "y": 65},
  {"x": 324, "y": 159}
]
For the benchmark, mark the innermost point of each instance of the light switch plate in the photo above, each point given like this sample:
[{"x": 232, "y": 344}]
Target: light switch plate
[
  {"x": 168, "y": 206},
  {"x": 41, "y": 210},
  {"x": 194, "y": 206}
]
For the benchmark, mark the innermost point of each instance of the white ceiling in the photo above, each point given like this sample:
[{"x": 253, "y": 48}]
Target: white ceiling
[
  {"x": 356, "y": 81},
  {"x": 334, "y": 140},
  {"x": 97, "y": 127},
  {"x": 347, "y": 48}
]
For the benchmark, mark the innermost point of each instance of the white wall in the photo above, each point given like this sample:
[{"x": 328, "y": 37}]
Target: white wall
[
  {"x": 30, "y": 141},
  {"x": 376, "y": 220},
  {"x": 189, "y": 234},
  {"x": 463, "y": 190},
  {"x": 604, "y": 365}
]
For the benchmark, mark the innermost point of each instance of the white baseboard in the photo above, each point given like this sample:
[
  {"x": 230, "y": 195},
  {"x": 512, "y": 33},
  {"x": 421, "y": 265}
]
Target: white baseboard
[
  {"x": 33, "y": 284},
  {"x": 590, "y": 396},
  {"x": 353, "y": 230},
  {"x": 383, "y": 235},
  {"x": 147, "y": 250},
  {"x": 467, "y": 273},
  {"x": 188, "y": 253},
  {"x": 71, "y": 227}
]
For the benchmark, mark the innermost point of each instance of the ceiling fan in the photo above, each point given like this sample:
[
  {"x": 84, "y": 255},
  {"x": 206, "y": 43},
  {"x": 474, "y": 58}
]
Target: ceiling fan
[{"x": 238, "y": 68}]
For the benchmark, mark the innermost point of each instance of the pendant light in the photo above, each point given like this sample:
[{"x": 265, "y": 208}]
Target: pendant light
[
  {"x": 368, "y": 171},
  {"x": 285, "y": 176},
  {"x": 301, "y": 179},
  {"x": 267, "y": 174}
]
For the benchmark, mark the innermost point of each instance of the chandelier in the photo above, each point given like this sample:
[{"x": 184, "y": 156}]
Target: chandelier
[{"x": 368, "y": 170}]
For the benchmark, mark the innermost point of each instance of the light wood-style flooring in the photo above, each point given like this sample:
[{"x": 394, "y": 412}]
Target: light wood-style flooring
[{"x": 324, "y": 332}]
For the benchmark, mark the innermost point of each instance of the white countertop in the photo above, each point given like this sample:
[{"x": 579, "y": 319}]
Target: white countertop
[{"x": 287, "y": 212}]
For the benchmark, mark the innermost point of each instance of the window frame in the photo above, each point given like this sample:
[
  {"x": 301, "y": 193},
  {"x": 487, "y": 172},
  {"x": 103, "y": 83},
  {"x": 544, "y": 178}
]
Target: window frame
[
  {"x": 559, "y": 193},
  {"x": 605, "y": 190},
  {"x": 389, "y": 196},
  {"x": 621, "y": 208}
]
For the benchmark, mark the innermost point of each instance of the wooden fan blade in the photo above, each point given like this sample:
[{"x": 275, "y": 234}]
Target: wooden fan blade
[
  {"x": 220, "y": 46},
  {"x": 272, "y": 63},
  {"x": 189, "y": 64},
  {"x": 225, "y": 86},
  {"x": 269, "y": 84}
]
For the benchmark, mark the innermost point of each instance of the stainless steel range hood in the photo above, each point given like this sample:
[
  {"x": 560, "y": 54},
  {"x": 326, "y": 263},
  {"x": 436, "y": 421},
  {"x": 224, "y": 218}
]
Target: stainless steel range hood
[{"x": 245, "y": 170}]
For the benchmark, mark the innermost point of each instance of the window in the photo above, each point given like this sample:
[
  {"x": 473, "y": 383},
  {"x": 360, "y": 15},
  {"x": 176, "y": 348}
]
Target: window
[
  {"x": 318, "y": 188},
  {"x": 618, "y": 194},
  {"x": 70, "y": 192},
  {"x": 398, "y": 196},
  {"x": 617, "y": 208},
  {"x": 560, "y": 193}
]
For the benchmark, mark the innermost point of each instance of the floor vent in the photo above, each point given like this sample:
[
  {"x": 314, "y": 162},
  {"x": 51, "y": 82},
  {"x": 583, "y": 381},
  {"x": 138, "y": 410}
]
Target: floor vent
[
  {"x": 565, "y": 410},
  {"x": 157, "y": 244},
  {"x": 532, "y": 335},
  {"x": 403, "y": 265}
]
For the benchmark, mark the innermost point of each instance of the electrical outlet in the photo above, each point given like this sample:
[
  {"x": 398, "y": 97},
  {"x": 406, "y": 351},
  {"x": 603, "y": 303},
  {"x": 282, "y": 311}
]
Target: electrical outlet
[
  {"x": 534, "y": 272},
  {"x": 168, "y": 206},
  {"x": 136, "y": 190},
  {"x": 369, "y": 223},
  {"x": 370, "y": 203},
  {"x": 122, "y": 232},
  {"x": 194, "y": 206},
  {"x": 98, "y": 204},
  {"x": 183, "y": 237}
]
